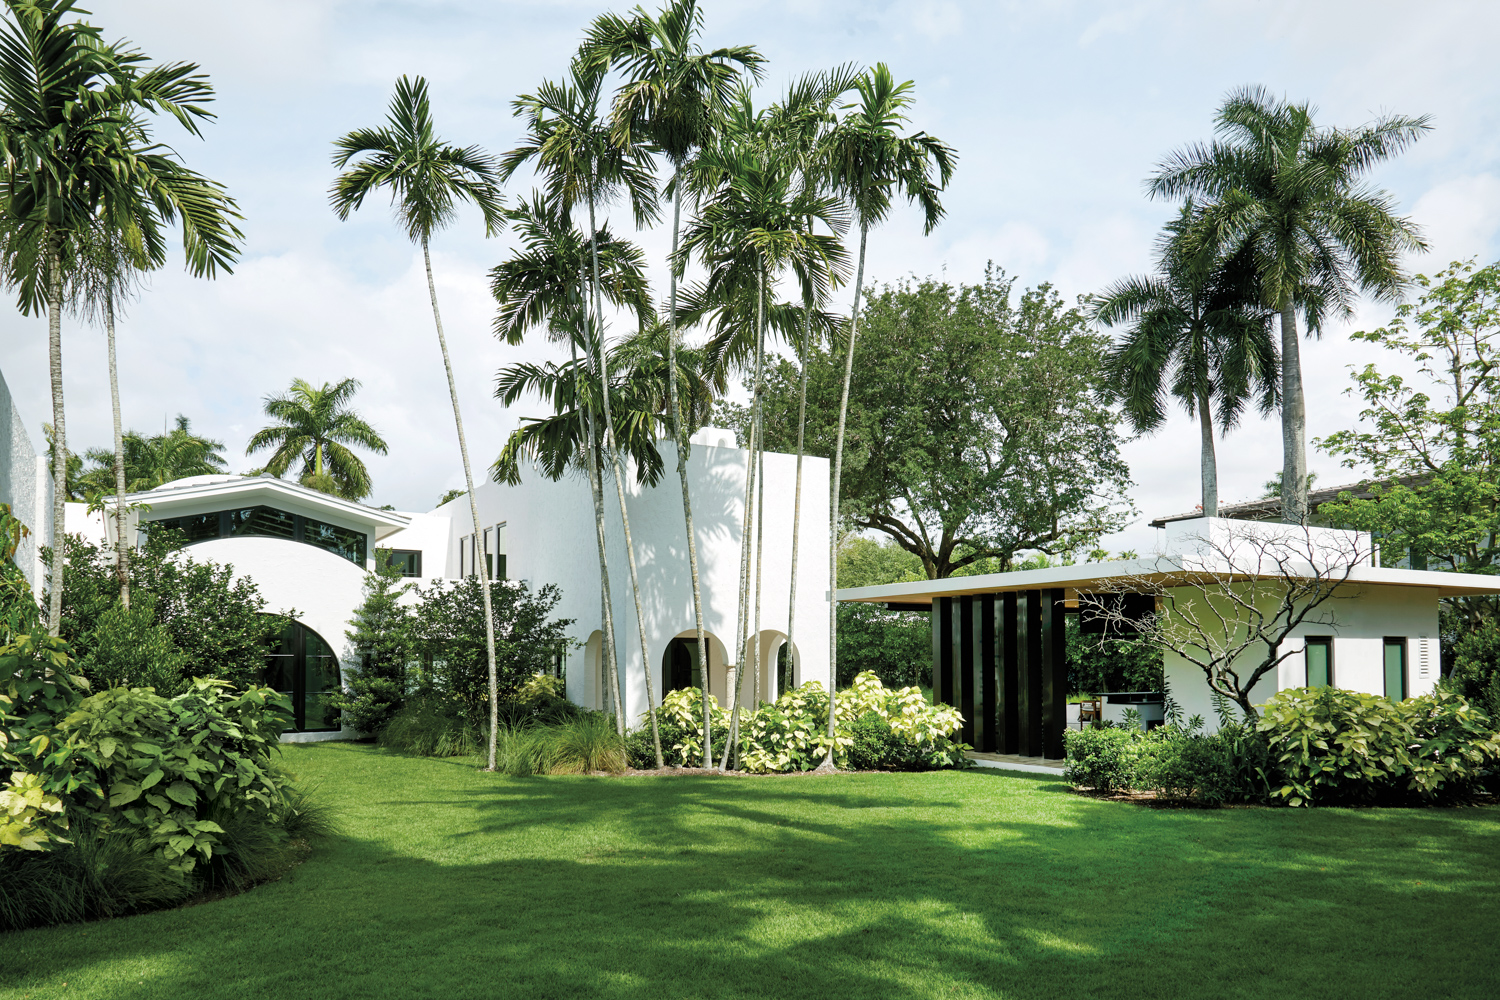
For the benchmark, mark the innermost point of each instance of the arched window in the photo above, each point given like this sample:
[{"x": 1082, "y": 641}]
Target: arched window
[{"x": 303, "y": 667}]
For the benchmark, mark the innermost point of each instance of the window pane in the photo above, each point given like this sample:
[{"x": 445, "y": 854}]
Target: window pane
[
  {"x": 408, "y": 562},
  {"x": 197, "y": 527},
  {"x": 1395, "y": 669},
  {"x": 262, "y": 521},
  {"x": 320, "y": 682},
  {"x": 339, "y": 541},
  {"x": 1318, "y": 673}
]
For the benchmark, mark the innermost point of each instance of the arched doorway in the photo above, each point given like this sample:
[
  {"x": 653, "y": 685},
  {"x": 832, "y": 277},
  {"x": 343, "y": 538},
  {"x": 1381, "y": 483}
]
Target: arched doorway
[
  {"x": 681, "y": 667},
  {"x": 600, "y": 694},
  {"x": 303, "y": 667}
]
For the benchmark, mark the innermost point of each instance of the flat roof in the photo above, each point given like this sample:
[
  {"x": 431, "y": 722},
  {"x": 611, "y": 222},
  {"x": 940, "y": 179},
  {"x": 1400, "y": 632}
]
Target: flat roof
[{"x": 1164, "y": 569}]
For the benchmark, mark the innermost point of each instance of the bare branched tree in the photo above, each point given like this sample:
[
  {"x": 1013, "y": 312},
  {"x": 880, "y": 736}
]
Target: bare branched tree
[{"x": 1230, "y": 600}]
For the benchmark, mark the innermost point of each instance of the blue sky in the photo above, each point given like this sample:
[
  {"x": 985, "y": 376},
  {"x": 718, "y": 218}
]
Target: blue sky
[{"x": 1058, "y": 111}]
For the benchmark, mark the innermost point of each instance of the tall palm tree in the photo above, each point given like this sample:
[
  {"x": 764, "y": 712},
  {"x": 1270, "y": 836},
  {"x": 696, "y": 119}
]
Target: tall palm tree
[
  {"x": 1198, "y": 333},
  {"x": 800, "y": 126},
  {"x": 672, "y": 95},
  {"x": 542, "y": 284},
  {"x": 753, "y": 224},
  {"x": 149, "y": 462},
  {"x": 315, "y": 423},
  {"x": 870, "y": 161},
  {"x": 571, "y": 147},
  {"x": 77, "y": 155},
  {"x": 1292, "y": 194},
  {"x": 426, "y": 178}
]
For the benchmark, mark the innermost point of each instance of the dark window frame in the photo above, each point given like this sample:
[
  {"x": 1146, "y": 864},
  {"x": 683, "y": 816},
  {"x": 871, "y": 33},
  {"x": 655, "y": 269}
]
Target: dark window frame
[
  {"x": 1326, "y": 641},
  {"x": 414, "y": 563},
  {"x": 1398, "y": 642},
  {"x": 292, "y": 645}
]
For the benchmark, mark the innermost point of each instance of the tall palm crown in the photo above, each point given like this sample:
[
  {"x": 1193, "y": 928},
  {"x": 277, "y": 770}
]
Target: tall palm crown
[
  {"x": 673, "y": 89},
  {"x": 427, "y": 177},
  {"x": 156, "y": 460},
  {"x": 1290, "y": 193},
  {"x": 540, "y": 284},
  {"x": 1198, "y": 333},
  {"x": 315, "y": 425},
  {"x": 871, "y": 160},
  {"x": 569, "y": 143}
]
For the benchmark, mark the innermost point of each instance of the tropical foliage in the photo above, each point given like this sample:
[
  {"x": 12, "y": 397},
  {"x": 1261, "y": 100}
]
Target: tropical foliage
[
  {"x": 153, "y": 461},
  {"x": 315, "y": 424}
]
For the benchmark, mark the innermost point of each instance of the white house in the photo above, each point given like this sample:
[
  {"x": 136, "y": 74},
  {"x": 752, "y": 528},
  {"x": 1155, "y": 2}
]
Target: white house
[
  {"x": 309, "y": 553},
  {"x": 999, "y": 648}
]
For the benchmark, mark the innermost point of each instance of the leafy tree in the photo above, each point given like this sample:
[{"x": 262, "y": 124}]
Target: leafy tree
[
  {"x": 865, "y": 562},
  {"x": 426, "y": 178},
  {"x": 314, "y": 424},
  {"x": 446, "y": 630},
  {"x": 376, "y": 687},
  {"x": 1290, "y": 194},
  {"x": 18, "y": 608},
  {"x": 895, "y": 645},
  {"x": 154, "y": 461},
  {"x": 219, "y": 625},
  {"x": 78, "y": 158},
  {"x": 1197, "y": 334},
  {"x": 975, "y": 431},
  {"x": 1436, "y": 441}
]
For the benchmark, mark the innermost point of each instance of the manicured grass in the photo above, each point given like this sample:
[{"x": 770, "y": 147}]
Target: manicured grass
[{"x": 451, "y": 883}]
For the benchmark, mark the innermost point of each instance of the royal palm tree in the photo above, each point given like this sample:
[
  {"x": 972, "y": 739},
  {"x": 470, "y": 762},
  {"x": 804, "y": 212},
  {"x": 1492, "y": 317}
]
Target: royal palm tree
[
  {"x": 870, "y": 161},
  {"x": 1290, "y": 192},
  {"x": 542, "y": 284},
  {"x": 149, "y": 462},
  {"x": 753, "y": 224},
  {"x": 672, "y": 96},
  {"x": 427, "y": 178},
  {"x": 1198, "y": 333},
  {"x": 800, "y": 126},
  {"x": 315, "y": 424},
  {"x": 78, "y": 158},
  {"x": 569, "y": 143}
]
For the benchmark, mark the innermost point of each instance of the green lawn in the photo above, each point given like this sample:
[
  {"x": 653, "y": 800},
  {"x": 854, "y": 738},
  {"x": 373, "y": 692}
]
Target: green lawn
[{"x": 450, "y": 883}]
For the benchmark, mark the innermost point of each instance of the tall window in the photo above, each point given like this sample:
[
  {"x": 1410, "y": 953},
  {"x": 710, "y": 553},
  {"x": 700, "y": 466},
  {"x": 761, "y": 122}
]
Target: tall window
[
  {"x": 408, "y": 562},
  {"x": 1395, "y": 668},
  {"x": 1319, "y": 656},
  {"x": 300, "y": 665}
]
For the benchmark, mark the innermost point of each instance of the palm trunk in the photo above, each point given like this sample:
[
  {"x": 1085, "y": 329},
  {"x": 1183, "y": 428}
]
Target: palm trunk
[
  {"x": 614, "y": 458},
  {"x": 833, "y": 513},
  {"x": 1210, "y": 461},
  {"x": 683, "y": 446},
  {"x": 463, "y": 451},
  {"x": 760, "y": 500},
  {"x": 122, "y": 550},
  {"x": 747, "y": 521},
  {"x": 1293, "y": 422},
  {"x": 791, "y": 611},
  {"x": 607, "y": 659},
  {"x": 59, "y": 438}
]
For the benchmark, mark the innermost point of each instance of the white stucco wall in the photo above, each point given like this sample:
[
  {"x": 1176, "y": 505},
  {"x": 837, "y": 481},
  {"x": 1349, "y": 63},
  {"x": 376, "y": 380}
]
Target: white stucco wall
[
  {"x": 550, "y": 538},
  {"x": 428, "y": 534},
  {"x": 25, "y": 484},
  {"x": 1363, "y": 617}
]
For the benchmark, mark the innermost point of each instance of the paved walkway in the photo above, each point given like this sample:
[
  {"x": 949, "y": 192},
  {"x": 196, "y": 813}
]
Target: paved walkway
[{"x": 1014, "y": 762}]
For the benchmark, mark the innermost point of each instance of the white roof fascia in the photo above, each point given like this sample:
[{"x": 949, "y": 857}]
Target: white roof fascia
[
  {"x": 1086, "y": 575},
  {"x": 201, "y": 499}
]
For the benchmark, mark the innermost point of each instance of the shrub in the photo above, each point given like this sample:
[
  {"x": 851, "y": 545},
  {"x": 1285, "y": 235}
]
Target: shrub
[
  {"x": 1338, "y": 746},
  {"x": 431, "y": 726},
  {"x": 875, "y": 746},
  {"x": 1103, "y": 759},
  {"x": 19, "y": 613},
  {"x": 587, "y": 743},
  {"x": 895, "y": 646},
  {"x": 376, "y": 686},
  {"x": 128, "y": 649}
]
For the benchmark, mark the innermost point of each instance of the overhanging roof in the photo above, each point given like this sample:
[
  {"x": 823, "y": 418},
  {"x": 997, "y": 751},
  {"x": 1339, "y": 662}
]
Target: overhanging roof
[
  {"x": 1165, "y": 569},
  {"x": 201, "y": 493}
]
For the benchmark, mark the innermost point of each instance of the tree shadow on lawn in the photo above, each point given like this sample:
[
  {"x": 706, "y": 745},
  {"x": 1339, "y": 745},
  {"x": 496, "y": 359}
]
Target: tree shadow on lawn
[{"x": 861, "y": 886}]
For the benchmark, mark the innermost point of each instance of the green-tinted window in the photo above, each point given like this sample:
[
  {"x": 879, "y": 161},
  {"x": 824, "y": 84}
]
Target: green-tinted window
[
  {"x": 1319, "y": 661},
  {"x": 197, "y": 527},
  {"x": 1395, "y": 669},
  {"x": 303, "y": 667},
  {"x": 407, "y": 561},
  {"x": 264, "y": 521},
  {"x": 339, "y": 541}
]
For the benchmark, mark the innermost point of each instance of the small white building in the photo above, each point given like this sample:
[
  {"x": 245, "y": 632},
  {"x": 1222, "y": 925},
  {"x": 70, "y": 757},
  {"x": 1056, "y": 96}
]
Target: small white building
[
  {"x": 309, "y": 554},
  {"x": 999, "y": 648}
]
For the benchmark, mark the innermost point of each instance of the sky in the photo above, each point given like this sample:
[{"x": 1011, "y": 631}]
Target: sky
[{"x": 1059, "y": 111}]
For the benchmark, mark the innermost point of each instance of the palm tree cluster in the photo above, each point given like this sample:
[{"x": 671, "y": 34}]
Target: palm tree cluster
[
  {"x": 770, "y": 193},
  {"x": 1276, "y": 222},
  {"x": 315, "y": 425}
]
